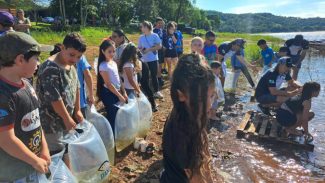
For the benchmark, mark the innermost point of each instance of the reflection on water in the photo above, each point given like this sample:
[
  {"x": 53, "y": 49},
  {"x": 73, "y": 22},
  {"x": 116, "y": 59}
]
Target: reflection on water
[
  {"x": 310, "y": 36},
  {"x": 261, "y": 162}
]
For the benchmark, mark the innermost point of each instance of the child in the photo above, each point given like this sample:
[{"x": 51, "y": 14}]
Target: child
[
  {"x": 210, "y": 49},
  {"x": 23, "y": 148},
  {"x": 185, "y": 143},
  {"x": 283, "y": 51},
  {"x": 149, "y": 44},
  {"x": 109, "y": 88},
  {"x": 220, "y": 99},
  {"x": 267, "y": 56},
  {"x": 58, "y": 89},
  {"x": 6, "y": 23},
  {"x": 179, "y": 44},
  {"x": 121, "y": 41},
  {"x": 196, "y": 48},
  {"x": 128, "y": 67},
  {"x": 295, "y": 112},
  {"x": 160, "y": 31},
  {"x": 84, "y": 76},
  {"x": 169, "y": 43}
]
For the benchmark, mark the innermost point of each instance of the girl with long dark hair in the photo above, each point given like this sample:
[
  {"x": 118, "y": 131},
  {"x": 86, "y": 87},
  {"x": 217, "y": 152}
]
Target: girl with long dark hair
[
  {"x": 109, "y": 88},
  {"x": 129, "y": 67},
  {"x": 185, "y": 142},
  {"x": 295, "y": 112},
  {"x": 169, "y": 43}
]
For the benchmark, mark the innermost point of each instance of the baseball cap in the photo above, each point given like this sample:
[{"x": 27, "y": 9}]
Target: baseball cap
[
  {"x": 15, "y": 43},
  {"x": 239, "y": 41},
  {"x": 6, "y": 18},
  {"x": 285, "y": 60},
  {"x": 299, "y": 39}
]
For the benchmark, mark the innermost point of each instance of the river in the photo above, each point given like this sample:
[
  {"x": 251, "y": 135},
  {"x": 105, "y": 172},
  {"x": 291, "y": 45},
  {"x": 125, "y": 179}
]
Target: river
[{"x": 251, "y": 161}]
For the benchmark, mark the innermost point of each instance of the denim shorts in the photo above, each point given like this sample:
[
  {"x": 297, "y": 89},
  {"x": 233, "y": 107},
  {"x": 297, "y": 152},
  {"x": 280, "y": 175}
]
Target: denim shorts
[
  {"x": 285, "y": 118},
  {"x": 266, "y": 99}
]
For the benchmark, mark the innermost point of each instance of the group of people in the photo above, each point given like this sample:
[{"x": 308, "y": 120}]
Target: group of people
[
  {"x": 33, "y": 122},
  {"x": 9, "y": 23}
]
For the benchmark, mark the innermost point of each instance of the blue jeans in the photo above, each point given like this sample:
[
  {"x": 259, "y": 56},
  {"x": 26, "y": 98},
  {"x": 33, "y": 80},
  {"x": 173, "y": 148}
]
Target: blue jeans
[{"x": 109, "y": 100}]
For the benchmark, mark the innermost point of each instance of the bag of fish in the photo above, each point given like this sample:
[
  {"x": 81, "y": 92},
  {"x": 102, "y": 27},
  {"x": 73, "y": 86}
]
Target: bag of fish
[
  {"x": 126, "y": 124},
  {"x": 145, "y": 118},
  {"x": 87, "y": 154},
  {"x": 104, "y": 129}
]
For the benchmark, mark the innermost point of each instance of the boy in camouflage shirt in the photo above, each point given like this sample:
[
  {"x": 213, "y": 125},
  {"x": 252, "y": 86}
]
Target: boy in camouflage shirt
[{"x": 58, "y": 90}]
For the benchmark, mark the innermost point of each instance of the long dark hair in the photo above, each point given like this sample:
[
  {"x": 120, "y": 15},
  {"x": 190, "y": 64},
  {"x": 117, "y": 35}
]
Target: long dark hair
[
  {"x": 101, "y": 58},
  {"x": 308, "y": 89},
  {"x": 121, "y": 33},
  {"x": 189, "y": 122},
  {"x": 129, "y": 54}
]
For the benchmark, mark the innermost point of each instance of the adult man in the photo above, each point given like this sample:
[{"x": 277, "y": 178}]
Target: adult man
[{"x": 268, "y": 92}]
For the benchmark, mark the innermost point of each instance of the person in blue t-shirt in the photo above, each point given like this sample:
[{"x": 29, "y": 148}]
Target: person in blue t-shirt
[
  {"x": 160, "y": 31},
  {"x": 210, "y": 49},
  {"x": 267, "y": 56},
  {"x": 179, "y": 44},
  {"x": 85, "y": 79}
]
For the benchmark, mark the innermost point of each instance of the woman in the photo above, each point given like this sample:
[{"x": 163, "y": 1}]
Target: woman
[
  {"x": 295, "y": 112},
  {"x": 149, "y": 44},
  {"x": 22, "y": 24},
  {"x": 120, "y": 41},
  {"x": 185, "y": 142},
  {"x": 169, "y": 43}
]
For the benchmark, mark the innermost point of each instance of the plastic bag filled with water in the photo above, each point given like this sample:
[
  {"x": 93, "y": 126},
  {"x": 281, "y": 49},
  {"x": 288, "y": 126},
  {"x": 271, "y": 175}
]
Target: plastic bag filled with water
[
  {"x": 126, "y": 124},
  {"x": 87, "y": 154},
  {"x": 60, "y": 173},
  {"x": 104, "y": 129},
  {"x": 145, "y": 115}
]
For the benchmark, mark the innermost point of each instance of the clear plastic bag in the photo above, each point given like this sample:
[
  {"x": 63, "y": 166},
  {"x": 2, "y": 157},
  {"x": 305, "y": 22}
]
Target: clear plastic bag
[
  {"x": 104, "y": 129},
  {"x": 219, "y": 88},
  {"x": 87, "y": 154},
  {"x": 145, "y": 118},
  {"x": 126, "y": 124},
  {"x": 230, "y": 83},
  {"x": 60, "y": 173}
]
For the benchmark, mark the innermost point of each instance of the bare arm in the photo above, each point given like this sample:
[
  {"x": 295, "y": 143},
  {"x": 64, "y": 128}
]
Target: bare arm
[
  {"x": 89, "y": 83},
  {"x": 174, "y": 39},
  {"x": 109, "y": 85},
  {"x": 220, "y": 57},
  {"x": 243, "y": 61},
  {"x": 17, "y": 149},
  {"x": 302, "y": 55},
  {"x": 60, "y": 109},
  {"x": 274, "y": 91}
]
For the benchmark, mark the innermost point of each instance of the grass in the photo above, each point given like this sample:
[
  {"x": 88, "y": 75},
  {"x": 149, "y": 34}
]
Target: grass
[{"x": 94, "y": 36}]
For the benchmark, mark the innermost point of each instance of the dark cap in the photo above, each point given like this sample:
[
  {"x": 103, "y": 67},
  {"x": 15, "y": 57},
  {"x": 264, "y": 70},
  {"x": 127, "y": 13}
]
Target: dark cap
[
  {"x": 298, "y": 39},
  {"x": 16, "y": 43},
  {"x": 6, "y": 18},
  {"x": 239, "y": 41},
  {"x": 286, "y": 60}
]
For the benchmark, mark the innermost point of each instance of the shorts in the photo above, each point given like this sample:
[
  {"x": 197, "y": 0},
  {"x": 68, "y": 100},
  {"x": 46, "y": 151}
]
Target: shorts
[
  {"x": 295, "y": 59},
  {"x": 32, "y": 178},
  {"x": 285, "y": 118},
  {"x": 170, "y": 53},
  {"x": 266, "y": 99},
  {"x": 54, "y": 141},
  {"x": 161, "y": 56},
  {"x": 179, "y": 53}
]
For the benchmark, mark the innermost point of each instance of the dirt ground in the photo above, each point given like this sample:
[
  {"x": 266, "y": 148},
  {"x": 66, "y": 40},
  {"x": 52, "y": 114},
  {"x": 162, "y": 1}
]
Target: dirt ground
[{"x": 134, "y": 166}]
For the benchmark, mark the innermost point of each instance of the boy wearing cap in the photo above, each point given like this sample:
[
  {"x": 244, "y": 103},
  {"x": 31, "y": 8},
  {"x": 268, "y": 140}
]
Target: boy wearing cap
[
  {"x": 235, "y": 51},
  {"x": 268, "y": 92},
  {"x": 58, "y": 89},
  {"x": 6, "y": 23},
  {"x": 297, "y": 51},
  {"x": 23, "y": 148},
  {"x": 267, "y": 56}
]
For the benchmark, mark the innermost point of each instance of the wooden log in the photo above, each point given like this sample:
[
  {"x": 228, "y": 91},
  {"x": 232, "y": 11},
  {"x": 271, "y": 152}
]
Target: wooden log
[
  {"x": 244, "y": 122},
  {"x": 274, "y": 129},
  {"x": 263, "y": 128}
]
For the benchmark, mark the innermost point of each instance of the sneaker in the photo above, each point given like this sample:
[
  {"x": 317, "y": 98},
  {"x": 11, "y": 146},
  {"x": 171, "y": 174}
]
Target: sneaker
[
  {"x": 158, "y": 95},
  {"x": 265, "y": 110}
]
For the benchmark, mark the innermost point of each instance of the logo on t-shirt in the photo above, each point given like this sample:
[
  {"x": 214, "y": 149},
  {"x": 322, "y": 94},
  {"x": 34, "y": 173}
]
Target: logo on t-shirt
[
  {"x": 35, "y": 142},
  {"x": 31, "y": 121},
  {"x": 271, "y": 81},
  {"x": 3, "y": 113}
]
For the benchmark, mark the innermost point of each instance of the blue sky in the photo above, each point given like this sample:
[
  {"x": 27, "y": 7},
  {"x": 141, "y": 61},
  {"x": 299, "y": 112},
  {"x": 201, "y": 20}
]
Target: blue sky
[{"x": 295, "y": 8}]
